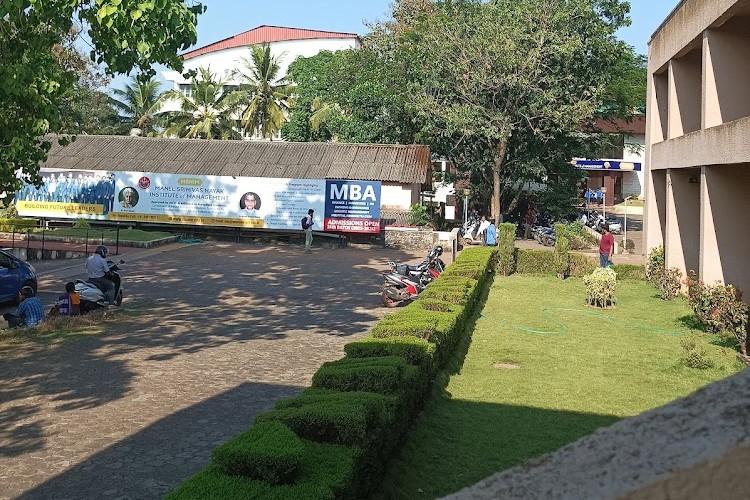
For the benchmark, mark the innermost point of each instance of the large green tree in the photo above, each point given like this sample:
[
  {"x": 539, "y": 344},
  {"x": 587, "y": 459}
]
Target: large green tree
[
  {"x": 481, "y": 73},
  {"x": 207, "y": 112},
  {"x": 138, "y": 103},
  {"x": 124, "y": 36},
  {"x": 263, "y": 92}
]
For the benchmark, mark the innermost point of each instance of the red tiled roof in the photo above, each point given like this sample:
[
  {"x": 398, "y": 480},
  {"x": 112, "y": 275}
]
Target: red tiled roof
[{"x": 263, "y": 34}]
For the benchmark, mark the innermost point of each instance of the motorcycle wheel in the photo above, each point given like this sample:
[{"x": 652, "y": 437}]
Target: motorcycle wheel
[
  {"x": 118, "y": 299},
  {"x": 387, "y": 301}
]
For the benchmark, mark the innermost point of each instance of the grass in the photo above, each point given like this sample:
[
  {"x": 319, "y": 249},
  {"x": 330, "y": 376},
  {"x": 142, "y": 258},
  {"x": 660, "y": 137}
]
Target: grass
[
  {"x": 107, "y": 234},
  {"x": 61, "y": 328},
  {"x": 519, "y": 395}
]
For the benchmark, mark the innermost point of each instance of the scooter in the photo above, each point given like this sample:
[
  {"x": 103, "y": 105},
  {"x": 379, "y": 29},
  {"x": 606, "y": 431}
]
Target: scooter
[
  {"x": 404, "y": 282},
  {"x": 470, "y": 232},
  {"x": 93, "y": 297}
]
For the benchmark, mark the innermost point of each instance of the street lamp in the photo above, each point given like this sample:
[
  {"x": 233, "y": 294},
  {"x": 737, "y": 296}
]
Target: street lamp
[
  {"x": 625, "y": 238},
  {"x": 467, "y": 193}
]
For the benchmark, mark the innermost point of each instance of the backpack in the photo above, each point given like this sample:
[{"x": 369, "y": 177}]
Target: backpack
[{"x": 304, "y": 223}]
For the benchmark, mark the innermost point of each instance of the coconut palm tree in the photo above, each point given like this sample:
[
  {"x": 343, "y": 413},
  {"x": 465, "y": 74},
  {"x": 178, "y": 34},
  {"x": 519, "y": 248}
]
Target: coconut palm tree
[
  {"x": 265, "y": 96},
  {"x": 138, "y": 104},
  {"x": 207, "y": 114}
]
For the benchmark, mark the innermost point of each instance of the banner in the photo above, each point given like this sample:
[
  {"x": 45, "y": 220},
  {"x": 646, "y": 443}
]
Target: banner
[
  {"x": 627, "y": 166},
  {"x": 250, "y": 202}
]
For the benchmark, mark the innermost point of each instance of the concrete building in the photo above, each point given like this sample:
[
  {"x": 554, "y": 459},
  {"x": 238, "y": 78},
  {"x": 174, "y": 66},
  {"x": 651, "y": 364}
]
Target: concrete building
[
  {"x": 698, "y": 140},
  {"x": 287, "y": 44}
]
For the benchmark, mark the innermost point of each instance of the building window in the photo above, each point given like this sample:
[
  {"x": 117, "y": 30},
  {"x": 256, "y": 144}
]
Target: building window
[{"x": 186, "y": 90}]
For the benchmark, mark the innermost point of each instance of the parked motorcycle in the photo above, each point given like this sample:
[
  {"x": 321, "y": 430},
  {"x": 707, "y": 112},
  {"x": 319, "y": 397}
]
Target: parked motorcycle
[
  {"x": 403, "y": 282},
  {"x": 93, "y": 297},
  {"x": 470, "y": 232}
]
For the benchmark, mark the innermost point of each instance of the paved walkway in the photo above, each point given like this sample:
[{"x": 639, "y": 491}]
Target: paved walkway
[{"x": 209, "y": 336}]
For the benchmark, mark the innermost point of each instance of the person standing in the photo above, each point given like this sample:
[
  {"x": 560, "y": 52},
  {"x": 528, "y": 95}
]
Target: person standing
[
  {"x": 491, "y": 234},
  {"x": 606, "y": 247},
  {"x": 529, "y": 221},
  {"x": 307, "y": 225},
  {"x": 30, "y": 311}
]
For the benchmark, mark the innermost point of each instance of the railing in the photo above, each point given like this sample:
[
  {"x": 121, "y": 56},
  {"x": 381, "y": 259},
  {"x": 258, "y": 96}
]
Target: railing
[{"x": 84, "y": 239}]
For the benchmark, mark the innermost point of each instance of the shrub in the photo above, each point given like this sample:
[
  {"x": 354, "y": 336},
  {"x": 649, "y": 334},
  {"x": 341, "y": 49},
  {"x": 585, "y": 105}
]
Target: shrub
[
  {"x": 14, "y": 224},
  {"x": 667, "y": 281},
  {"x": 327, "y": 472},
  {"x": 415, "y": 351},
  {"x": 429, "y": 304},
  {"x": 506, "y": 237},
  {"x": 655, "y": 263},
  {"x": 562, "y": 245},
  {"x": 629, "y": 272},
  {"x": 535, "y": 262},
  {"x": 694, "y": 356},
  {"x": 383, "y": 375},
  {"x": 720, "y": 308},
  {"x": 81, "y": 222},
  {"x": 418, "y": 215},
  {"x": 269, "y": 451},
  {"x": 323, "y": 422},
  {"x": 600, "y": 287},
  {"x": 581, "y": 265}
]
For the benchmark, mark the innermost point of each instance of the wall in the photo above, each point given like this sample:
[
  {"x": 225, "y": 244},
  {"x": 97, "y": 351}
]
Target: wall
[{"x": 398, "y": 196}]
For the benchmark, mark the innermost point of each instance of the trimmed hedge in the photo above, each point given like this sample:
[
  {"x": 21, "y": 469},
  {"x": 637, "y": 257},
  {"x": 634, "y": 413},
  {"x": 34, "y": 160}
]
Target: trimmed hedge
[
  {"x": 543, "y": 262},
  {"x": 630, "y": 272},
  {"x": 506, "y": 237},
  {"x": 269, "y": 452},
  {"x": 352, "y": 419},
  {"x": 327, "y": 472}
]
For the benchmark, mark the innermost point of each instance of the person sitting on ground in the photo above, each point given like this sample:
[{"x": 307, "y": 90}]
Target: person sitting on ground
[
  {"x": 30, "y": 311},
  {"x": 69, "y": 303},
  {"x": 99, "y": 274}
]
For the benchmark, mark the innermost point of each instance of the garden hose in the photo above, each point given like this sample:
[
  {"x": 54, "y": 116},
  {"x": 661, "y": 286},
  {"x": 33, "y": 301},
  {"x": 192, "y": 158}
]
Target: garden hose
[
  {"x": 563, "y": 328},
  {"x": 186, "y": 239}
]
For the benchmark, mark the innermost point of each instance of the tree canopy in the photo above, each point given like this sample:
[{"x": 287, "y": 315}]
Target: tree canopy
[{"x": 124, "y": 36}]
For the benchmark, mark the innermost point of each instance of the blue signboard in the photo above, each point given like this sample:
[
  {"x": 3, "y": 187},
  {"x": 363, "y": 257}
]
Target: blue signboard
[
  {"x": 623, "y": 166},
  {"x": 352, "y": 206}
]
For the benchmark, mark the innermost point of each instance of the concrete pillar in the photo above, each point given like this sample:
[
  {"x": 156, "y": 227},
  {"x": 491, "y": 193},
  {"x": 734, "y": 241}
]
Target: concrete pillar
[
  {"x": 725, "y": 242},
  {"x": 682, "y": 241},
  {"x": 655, "y": 210},
  {"x": 726, "y": 72},
  {"x": 685, "y": 90}
]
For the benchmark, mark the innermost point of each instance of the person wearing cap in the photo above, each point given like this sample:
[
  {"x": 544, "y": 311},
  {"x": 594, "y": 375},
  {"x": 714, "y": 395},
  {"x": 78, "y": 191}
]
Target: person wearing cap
[
  {"x": 30, "y": 311},
  {"x": 308, "y": 230}
]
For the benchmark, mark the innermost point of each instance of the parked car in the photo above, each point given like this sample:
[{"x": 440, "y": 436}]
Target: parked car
[{"x": 14, "y": 275}]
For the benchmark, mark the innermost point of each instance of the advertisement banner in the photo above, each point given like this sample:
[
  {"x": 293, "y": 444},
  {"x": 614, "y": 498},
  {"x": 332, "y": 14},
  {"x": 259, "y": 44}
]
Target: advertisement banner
[
  {"x": 251, "y": 202},
  {"x": 352, "y": 206}
]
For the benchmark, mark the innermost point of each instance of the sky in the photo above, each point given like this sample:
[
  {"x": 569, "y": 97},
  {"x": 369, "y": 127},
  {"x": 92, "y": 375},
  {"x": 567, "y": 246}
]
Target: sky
[{"x": 224, "y": 18}]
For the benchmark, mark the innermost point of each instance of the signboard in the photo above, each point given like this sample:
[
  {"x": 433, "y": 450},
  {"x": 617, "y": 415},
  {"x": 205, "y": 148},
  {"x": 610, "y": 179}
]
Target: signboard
[
  {"x": 623, "y": 166},
  {"x": 252, "y": 202}
]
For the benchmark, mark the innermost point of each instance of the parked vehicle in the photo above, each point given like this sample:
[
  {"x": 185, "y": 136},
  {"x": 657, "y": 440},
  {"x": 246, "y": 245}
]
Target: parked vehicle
[
  {"x": 93, "y": 297},
  {"x": 403, "y": 282},
  {"x": 470, "y": 232},
  {"x": 14, "y": 275}
]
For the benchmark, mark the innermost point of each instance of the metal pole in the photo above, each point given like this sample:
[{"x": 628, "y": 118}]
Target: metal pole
[
  {"x": 466, "y": 208},
  {"x": 117, "y": 241},
  {"x": 604, "y": 207}
]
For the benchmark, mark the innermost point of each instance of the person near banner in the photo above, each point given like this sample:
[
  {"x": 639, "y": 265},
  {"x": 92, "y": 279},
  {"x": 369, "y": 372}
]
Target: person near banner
[{"x": 307, "y": 225}]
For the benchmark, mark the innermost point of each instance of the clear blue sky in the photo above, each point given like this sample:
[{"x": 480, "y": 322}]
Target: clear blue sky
[{"x": 225, "y": 18}]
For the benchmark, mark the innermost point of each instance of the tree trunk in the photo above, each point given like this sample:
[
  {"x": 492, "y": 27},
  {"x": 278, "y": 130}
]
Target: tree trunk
[{"x": 496, "y": 187}]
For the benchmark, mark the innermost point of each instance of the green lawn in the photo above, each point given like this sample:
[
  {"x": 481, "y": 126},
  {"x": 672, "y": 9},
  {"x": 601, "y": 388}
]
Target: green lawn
[{"x": 520, "y": 394}]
